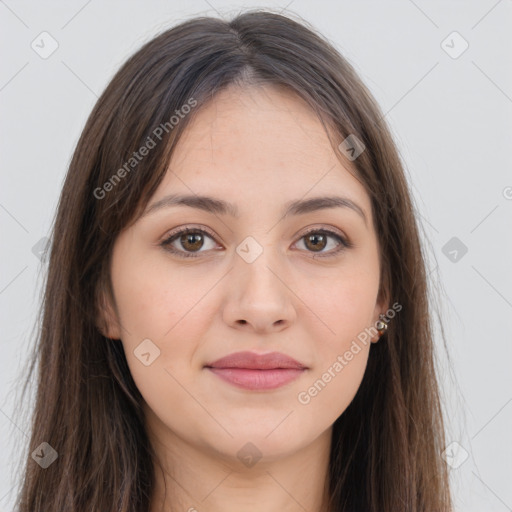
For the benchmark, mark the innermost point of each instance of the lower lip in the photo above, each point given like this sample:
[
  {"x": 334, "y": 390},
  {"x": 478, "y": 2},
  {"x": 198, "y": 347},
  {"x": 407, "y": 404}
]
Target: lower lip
[{"x": 257, "y": 379}]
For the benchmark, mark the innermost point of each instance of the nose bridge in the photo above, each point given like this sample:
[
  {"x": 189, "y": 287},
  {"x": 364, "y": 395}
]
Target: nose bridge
[
  {"x": 259, "y": 295},
  {"x": 256, "y": 266}
]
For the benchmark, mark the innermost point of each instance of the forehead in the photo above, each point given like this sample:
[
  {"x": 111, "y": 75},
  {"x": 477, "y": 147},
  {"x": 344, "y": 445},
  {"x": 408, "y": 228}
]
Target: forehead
[
  {"x": 250, "y": 142},
  {"x": 261, "y": 121}
]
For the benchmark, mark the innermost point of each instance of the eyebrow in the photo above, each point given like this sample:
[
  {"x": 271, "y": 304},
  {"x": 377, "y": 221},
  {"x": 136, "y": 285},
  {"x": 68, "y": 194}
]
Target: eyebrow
[{"x": 221, "y": 207}]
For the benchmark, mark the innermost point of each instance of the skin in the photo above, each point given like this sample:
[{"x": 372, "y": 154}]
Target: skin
[{"x": 258, "y": 148}]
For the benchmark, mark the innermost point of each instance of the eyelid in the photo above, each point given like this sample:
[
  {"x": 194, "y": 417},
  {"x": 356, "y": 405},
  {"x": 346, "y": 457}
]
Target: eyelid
[
  {"x": 189, "y": 227},
  {"x": 328, "y": 229}
]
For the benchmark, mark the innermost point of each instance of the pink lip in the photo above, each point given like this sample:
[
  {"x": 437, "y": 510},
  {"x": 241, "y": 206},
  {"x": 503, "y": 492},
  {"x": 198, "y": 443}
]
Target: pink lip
[{"x": 253, "y": 371}]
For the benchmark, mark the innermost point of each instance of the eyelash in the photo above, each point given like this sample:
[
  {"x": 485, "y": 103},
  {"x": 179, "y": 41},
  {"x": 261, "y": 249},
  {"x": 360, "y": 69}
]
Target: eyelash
[{"x": 166, "y": 244}]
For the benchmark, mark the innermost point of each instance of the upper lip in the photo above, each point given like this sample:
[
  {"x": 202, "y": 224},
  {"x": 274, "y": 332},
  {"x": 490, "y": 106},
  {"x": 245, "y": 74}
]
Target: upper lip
[{"x": 254, "y": 361}]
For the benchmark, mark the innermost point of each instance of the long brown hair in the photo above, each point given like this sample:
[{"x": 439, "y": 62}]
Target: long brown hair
[{"x": 387, "y": 445}]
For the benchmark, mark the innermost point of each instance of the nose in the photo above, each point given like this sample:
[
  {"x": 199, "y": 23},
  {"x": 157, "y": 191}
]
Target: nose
[{"x": 259, "y": 298}]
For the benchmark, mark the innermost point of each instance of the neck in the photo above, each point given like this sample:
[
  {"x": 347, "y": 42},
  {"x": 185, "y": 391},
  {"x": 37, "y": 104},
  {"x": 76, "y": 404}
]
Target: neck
[{"x": 199, "y": 479}]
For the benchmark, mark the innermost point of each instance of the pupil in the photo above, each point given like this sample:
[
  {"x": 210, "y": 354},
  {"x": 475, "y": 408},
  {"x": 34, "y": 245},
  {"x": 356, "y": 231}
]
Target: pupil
[
  {"x": 189, "y": 239},
  {"x": 315, "y": 242}
]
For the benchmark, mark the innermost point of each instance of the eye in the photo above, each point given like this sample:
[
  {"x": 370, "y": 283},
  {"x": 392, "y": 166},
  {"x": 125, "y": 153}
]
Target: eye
[
  {"x": 317, "y": 240},
  {"x": 192, "y": 240}
]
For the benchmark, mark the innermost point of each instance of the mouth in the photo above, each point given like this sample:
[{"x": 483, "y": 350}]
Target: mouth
[{"x": 252, "y": 371}]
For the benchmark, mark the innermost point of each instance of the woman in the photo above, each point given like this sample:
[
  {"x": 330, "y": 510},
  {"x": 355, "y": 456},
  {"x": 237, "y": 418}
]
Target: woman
[{"x": 236, "y": 312}]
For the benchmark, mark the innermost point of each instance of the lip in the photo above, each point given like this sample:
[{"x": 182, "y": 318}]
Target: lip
[{"x": 253, "y": 371}]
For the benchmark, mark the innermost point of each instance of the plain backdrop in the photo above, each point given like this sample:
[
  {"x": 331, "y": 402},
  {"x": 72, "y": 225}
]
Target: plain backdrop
[{"x": 440, "y": 71}]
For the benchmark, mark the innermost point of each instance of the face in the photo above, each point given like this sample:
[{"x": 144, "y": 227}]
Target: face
[{"x": 303, "y": 284}]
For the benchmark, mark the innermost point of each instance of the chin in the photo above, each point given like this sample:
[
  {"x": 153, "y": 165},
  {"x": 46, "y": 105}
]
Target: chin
[{"x": 273, "y": 439}]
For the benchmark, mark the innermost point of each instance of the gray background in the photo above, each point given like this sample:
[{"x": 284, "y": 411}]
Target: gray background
[{"x": 450, "y": 113}]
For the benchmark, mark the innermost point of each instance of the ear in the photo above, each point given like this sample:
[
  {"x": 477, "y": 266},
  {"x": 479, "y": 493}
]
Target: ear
[
  {"x": 107, "y": 320},
  {"x": 381, "y": 306}
]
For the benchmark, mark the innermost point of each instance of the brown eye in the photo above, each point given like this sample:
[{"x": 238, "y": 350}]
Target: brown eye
[
  {"x": 191, "y": 241},
  {"x": 316, "y": 242},
  {"x": 188, "y": 242}
]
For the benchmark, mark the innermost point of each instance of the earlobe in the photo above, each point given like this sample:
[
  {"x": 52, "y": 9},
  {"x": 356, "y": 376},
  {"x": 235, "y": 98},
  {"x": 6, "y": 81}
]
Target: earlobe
[
  {"x": 380, "y": 322},
  {"x": 106, "y": 318},
  {"x": 381, "y": 326}
]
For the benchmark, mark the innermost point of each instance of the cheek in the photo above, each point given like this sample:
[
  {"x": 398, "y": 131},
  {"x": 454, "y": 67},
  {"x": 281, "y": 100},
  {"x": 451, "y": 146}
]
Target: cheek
[
  {"x": 346, "y": 306},
  {"x": 345, "y": 303},
  {"x": 155, "y": 300},
  {"x": 165, "y": 308},
  {"x": 334, "y": 387},
  {"x": 168, "y": 311},
  {"x": 341, "y": 356}
]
